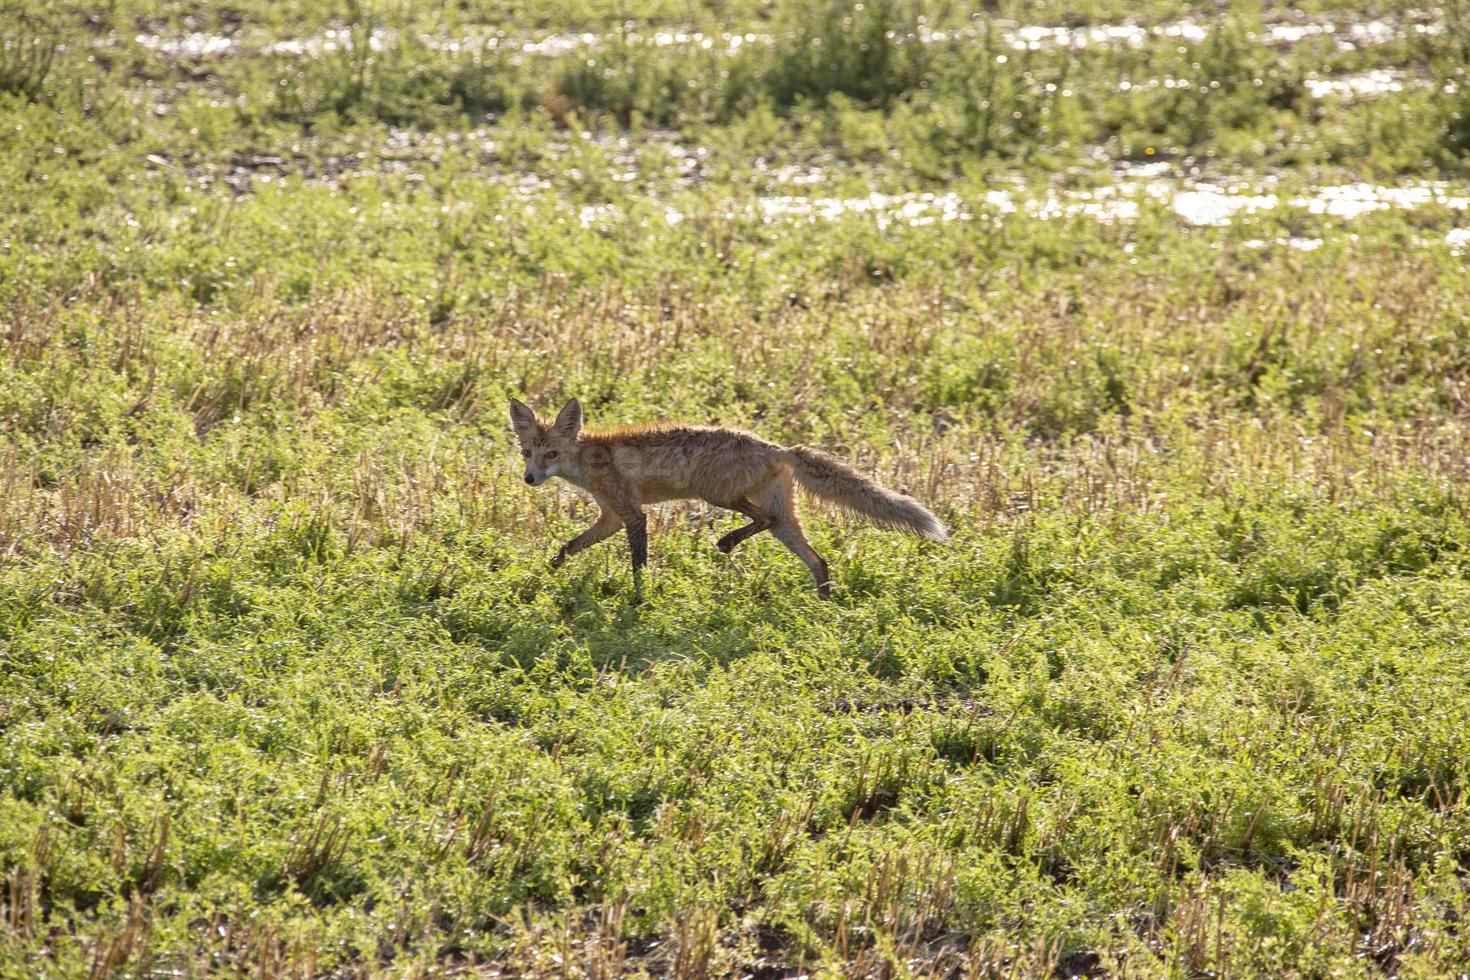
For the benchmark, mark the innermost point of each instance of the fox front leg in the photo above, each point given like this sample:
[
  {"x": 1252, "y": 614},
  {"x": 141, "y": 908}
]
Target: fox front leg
[
  {"x": 603, "y": 528},
  {"x": 638, "y": 546}
]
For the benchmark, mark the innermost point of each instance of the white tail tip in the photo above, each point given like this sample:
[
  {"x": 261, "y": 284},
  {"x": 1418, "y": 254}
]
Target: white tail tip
[{"x": 934, "y": 531}]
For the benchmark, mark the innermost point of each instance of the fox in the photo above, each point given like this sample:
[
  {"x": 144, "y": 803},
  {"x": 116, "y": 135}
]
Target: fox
[{"x": 628, "y": 468}]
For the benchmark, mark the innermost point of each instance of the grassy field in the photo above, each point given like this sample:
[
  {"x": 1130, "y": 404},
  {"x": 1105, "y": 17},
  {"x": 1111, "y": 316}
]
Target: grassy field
[{"x": 1164, "y": 310}]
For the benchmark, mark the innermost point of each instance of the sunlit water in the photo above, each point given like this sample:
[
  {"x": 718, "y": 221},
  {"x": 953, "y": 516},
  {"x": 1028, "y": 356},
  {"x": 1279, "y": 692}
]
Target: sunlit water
[
  {"x": 1021, "y": 37},
  {"x": 1134, "y": 187},
  {"x": 199, "y": 46},
  {"x": 1196, "y": 203}
]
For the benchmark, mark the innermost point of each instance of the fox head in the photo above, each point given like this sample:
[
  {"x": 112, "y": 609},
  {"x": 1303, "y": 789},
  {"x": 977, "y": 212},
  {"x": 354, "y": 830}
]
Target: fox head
[{"x": 547, "y": 447}]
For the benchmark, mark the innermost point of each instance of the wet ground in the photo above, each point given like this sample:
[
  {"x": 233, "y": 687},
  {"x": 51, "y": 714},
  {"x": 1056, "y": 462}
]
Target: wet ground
[
  {"x": 788, "y": 192},
  {"x": 663, "y": 168},
  {"x": 1347, "y": 35}
]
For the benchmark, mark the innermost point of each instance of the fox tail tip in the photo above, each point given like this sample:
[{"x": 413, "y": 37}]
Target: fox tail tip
[{"x": 934, "y": 531}]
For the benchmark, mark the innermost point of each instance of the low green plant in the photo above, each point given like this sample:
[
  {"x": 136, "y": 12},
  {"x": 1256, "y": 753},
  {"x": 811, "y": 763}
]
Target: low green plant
[{"x": 288, "y": 687}]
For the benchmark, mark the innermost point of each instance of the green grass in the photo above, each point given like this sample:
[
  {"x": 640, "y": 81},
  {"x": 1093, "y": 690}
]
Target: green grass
[{"x": 288, "y": 687}]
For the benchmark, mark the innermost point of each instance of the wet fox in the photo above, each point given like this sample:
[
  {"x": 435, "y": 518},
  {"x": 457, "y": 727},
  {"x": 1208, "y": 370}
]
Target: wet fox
[{"x": 626, "y": 468}]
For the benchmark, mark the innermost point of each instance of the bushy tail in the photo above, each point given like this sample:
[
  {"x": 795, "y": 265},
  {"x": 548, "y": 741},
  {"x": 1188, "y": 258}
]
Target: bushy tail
[{"x": 844, "y": 486}]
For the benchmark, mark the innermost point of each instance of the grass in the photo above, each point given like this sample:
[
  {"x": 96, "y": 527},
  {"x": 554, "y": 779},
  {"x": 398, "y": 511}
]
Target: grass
[{"x": 287, "y": 686}]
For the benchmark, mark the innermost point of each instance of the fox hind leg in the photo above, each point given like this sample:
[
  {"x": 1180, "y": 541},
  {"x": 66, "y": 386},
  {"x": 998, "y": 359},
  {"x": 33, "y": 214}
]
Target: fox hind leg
[
  {"x": 789, "y": 534},
  {"x": 779, "y": 498},
  {"x": 759, "y": 521}
]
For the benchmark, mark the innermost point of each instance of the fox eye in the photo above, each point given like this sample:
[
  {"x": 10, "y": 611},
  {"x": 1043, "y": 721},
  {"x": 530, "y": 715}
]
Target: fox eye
[
  {"x": 551, "y": 454},
  {"x": 526, "y": 453}
]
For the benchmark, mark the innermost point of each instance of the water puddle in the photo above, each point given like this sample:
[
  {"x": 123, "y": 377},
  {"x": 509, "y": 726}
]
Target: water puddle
[
  {"x": 886, "y": 209},
  {"x": 1196, "y": 203},
  {"x": 1380, "y": 81},
  {"x": 1023, "y": 37},
  {"x": 1204, "y": 204},
  {"x": 193, "y": 46},
  {"x": 1354, "y": 200},
  {"x": 1293, "y": 242},
  {"x": 489, "y": 40},
  {"x": 1034, "y": 37},
  {"x": 659, "y": 165},
  {"x": 197, "y": 46},
  {"x": 1355, "y": 34},
  {"x": 329, "y": 42},
  {"x": 1349, "y": 36}
]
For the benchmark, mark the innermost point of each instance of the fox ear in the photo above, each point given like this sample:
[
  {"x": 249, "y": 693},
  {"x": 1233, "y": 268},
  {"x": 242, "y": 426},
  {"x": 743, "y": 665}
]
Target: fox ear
[
  {"x": 522, "y": 419},
  {"x": 569, "y": 420}
]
